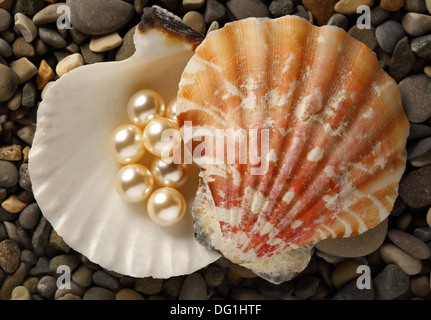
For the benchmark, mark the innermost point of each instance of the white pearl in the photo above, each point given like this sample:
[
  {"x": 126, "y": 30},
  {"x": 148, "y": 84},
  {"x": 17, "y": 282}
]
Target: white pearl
[
  {"x": 134, "y": 183},
  {"x": 169, "y": 175},
  {"x": 144, "y": 106},
  {"x": 171, "y": 110},
  {"x": 126, "y": 144},
  {"x": 154, "y": 140},
  {"x": 166, "y": 206}
]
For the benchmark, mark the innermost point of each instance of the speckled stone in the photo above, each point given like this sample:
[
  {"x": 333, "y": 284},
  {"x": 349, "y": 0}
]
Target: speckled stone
[
  {"x": 9, "y": 81},
  {"x": 8, "y": 174},
  {"x": 390, "y": 283},
  {"x": 194, "y": 288},
  {"x": 9, "y": 255},
  {"x": 415, "y": 189},
  {"x": 415, "y": 99}
]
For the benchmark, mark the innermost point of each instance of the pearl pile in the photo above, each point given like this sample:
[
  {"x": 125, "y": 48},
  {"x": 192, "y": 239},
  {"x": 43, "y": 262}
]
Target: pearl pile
[{"x": 134, "y": 183}]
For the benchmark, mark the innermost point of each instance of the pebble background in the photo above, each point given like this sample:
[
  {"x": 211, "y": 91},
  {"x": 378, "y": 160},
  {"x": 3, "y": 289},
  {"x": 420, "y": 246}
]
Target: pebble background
[{"x": 33, "y": 53}]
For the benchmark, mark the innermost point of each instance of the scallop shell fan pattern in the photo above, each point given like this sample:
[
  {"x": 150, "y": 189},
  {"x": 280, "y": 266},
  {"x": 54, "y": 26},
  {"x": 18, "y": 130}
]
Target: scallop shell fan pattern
[{"x": 337, "y": 135}]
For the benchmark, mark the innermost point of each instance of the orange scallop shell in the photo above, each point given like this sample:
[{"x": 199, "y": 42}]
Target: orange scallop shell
[{"x": 336, "y": 148}]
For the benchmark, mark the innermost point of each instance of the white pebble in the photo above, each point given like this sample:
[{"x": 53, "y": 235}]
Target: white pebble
[
  {"x": 26, "y": 26},
  {"x": 69, "y": 63},
  {"x": 105, "y": 43}
]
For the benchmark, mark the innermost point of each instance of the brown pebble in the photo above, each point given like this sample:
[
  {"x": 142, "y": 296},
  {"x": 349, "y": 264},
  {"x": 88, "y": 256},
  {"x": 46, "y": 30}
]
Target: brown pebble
[
  {"x": 44, "y": 75},
  {"x": 409, "y": 243},
  {"x": 11, "y": 153},
  {"x": 10, "y": 255},
  {"x": 322, "y": 10},
  {"x": 392, "y": 5},
  {"x": 429, "y": 217},
  {"x": 420, "y": 286},
  {"x": 128, "y": 294},
  {"x": 13, "y": 204},
  {"x": 345, "y": 272}
]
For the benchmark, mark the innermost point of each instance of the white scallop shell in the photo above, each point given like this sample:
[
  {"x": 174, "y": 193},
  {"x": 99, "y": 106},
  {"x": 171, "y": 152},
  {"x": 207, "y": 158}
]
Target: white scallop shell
[{"x": 72, "y": 172}]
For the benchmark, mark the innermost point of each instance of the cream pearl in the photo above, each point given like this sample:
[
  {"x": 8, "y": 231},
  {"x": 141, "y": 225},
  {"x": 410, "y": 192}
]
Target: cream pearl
[
  {"x": 171, "y": 110},
  {"x": 126, "y": 144},
  {"x": 161, "y": 137},
  {"x": 134, "y": 183},
  {"x": 166, "y": 206},
  {"x": 144, "y": 106},
  {"x": 169, "y": 175}
]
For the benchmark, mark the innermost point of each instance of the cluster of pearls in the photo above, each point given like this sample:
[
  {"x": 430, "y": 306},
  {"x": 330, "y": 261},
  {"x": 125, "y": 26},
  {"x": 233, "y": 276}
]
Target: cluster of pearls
[{"x": 149, "y": 117}]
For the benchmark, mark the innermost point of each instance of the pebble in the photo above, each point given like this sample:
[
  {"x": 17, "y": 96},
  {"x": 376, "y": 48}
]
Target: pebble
[
  {"x": 13, "y": 204},
  {"x": 11, "y": 153},
  {"x": 306, "y": 286},
  {"x": 57, "y": 242},
  {"x": 5, "y": 49},
  {"x": 77, "y": 36},
  {"x": 140, "y": 5},
  {"x": 41, "y": 234},
  {"x": 420, "y": 286},
  {"x": 47, "y": 286},
  {"x": 83, "y": 276},
  {"x": 24, "y": 68},
  {"x": 402, "y": 60},
  {"x": 128, "y": 294},
  {"x": 12, "y": 281},
  {"x": 99, "y": 17},
  {"x": 44, "y": 74},
  {"x": 9, "y": 255},
  {"x": 69, "y": 63},
  {"x": 52, "y": 38},
  {"x": 392, "y": 5},
  {"x": 48, "y": 14},
  {"x": 6, "y": 4},
  {"x": 390, "y": 283},
  {"x": 24, "y": 177},
  {"x": 391, "y": 254},
  {"x": 350, "y": 6},
  {"x": 29, "y": 93},
  {"x": 20, "y": 293},
  {"x": 194, "y": 288},
  {"x": 243, "y": 9},
  {"x": 423, "y": 233},
  {"x": 68, "y": 260},
  {"x": 339, "y": 20},
  {"x": 351, "y": 292},
  {"x": 388, "y": 34},
  {"x": 73, "y": 288},
  {"x": 9, "y": 81},
  {"x": 5, "y": 20},
  {"x": 90, "y": 56},
  {"x": 8, "y": 174},
  {"x": 28, "y": 7},
  {"x": 428, "y": 5},
  {"x": 96, "y": 293},
  {"x": 415, "y": 6},
  {"x": 193, "y": 4},
  {"x": 415, "y": 189},
  {"x": 416, "y": 24},
  {"x": 415, "y": 99},
  {"x": 246, "y": 294},
  {"x": 195, "y": 21},
  {"x": 214, "y": 11},
  {"x": 148, "y": 285},
  {"x": 214, "y": 275},
  {"x": 344, "y": 273},
  {"x": 69, "y": 296},
  {"x": 365, "y": 36},
  {"x": 356, "y": 246},
  {"x": 172, "y": 286},
  {"x": 106, "y": 42},
  {"x": 26, "y": 27},
  {"x": 127, "y": 49},
  {"x": 419, "y": 148},
  {"x": 428, "y": 217},
  {"x": 41, "y": 267},
  {"x": 409, "y": 243},
  {"x": 105, "y": 280},
  {"x": 22, "y": 48},
  {"x": 378, "y": 15},
  {"x": 322, "y": 10},
  {"x": 422, "y": 46},
  {"x": 275, "y": 291}
]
